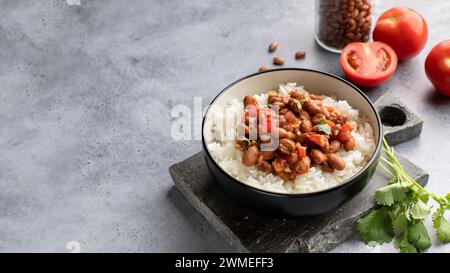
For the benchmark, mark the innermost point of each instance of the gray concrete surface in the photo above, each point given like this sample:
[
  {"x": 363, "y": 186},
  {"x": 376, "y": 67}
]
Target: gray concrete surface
[{"x": 85, "y": 95}]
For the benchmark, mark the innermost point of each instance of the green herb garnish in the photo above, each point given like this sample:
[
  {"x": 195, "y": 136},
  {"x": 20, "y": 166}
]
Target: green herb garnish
[
  {"x": 404, "y": 206},
  {"x": 323, "y": 127}
]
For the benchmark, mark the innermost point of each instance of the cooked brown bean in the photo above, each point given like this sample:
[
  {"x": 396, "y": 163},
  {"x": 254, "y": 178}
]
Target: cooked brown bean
[
  {"x": 316, "y": 97},
  {"x": 290, "y": 117},
  {"x": 335, "y": 145},
  {"x": 324, "y": 111},
  {"x": 318, "y": 157},
  {"x": 326, "y": 146},
  {"x": 282, "y": 120},
  {"x": 274, "y": 98},
  {"x": 350, "y": 145},
  {"x": 327, "y": 168},
  {"x": 267, "y": 155},
  {"x": 299, "y": 95},
  {"x": 335, "y": 130},
  {"x": 286, "y": 146},
  {"x": 317, "y": 118},
  {"x": 278, "y": 105},
  {"x": 292, "y": 158},
  {"x": 279, "y": 133},
  {"x": 306, "y": 126},
  {"x": 250, "y": 156},
  {"x": 265, "y": 167},
  {"x": 301, "y": 137},
  {"x": 294, "y": 105},
  {"x": 336, "y": 162},
  {"x": 278, "y": 165},
  {"x": 304, "y": 115},
  {"x": 264, "y": 68},
  {"x": 303, "y": 165},
  {"x": 250, "y": 100},
  {"x": 341, "y": 119},
  {"x": 312, "y": 107}
]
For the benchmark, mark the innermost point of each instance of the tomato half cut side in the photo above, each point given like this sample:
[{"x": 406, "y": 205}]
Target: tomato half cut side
[{"x": 368, "y": 64}]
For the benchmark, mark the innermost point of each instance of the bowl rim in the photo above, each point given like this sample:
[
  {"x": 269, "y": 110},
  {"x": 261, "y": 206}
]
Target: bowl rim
[{"x": 347, "y": 182}]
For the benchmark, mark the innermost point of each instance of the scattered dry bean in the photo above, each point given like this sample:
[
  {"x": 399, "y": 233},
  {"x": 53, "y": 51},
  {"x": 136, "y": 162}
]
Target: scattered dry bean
[
  {"x": 273, "y": 46},
  {"x": 278, "y": 60},
  {"x": 299, "y": 54}
]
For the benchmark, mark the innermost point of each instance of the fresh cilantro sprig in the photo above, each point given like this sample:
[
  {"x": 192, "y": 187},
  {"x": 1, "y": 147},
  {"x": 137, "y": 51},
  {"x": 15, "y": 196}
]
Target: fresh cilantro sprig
[
  {"x": 403, "y": 207},
  {"x": 323, "y": 127}
]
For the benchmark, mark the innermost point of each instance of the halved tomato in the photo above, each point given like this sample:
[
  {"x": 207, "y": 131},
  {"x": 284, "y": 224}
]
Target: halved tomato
[{"x": 368, "y": 64}]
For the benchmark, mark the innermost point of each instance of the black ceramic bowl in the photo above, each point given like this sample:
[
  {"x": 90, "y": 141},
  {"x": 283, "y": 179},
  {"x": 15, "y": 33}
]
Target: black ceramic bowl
[{"x": 295, "y": 204}]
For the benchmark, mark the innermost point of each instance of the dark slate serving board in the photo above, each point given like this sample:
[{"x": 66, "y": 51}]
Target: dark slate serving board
[{"x": 250, "y": 231}]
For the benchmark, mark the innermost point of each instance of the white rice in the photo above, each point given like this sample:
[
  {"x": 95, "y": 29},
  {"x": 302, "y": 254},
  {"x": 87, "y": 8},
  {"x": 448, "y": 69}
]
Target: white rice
[{"x": 222, "y": 148}]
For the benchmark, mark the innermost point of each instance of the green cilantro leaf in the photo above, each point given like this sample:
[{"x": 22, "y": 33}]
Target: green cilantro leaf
[
  {"x": 437, "y": 216},
  {"x": 441, "y": 225},
  {"x": 323, "y": 127},
  {"x": 403, "y": 209},
  {"x": 376, "y": 226},
  {"x": 420, "y": 210},
  {"x": 418, "y": 236},
  {"x": 399, "y": 222},
  {"x": 443, "y": 232},
  {"x": 402, "y": 243},
  {"x": 390, "y": 194}
]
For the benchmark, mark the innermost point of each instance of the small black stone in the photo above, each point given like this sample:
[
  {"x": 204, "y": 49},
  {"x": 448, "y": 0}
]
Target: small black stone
[{"x": 400, "y": 124}]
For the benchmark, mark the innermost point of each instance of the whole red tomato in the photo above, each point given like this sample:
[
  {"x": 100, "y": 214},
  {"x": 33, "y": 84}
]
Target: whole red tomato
[
  {"x": 368, "y": 64},
  {"x": 437, "y": 67},
  {"x": 404, "y": 30}
]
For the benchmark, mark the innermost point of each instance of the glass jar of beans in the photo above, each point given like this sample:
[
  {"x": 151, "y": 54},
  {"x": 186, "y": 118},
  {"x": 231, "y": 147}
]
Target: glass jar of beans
[{"x": 340, "y": 22}]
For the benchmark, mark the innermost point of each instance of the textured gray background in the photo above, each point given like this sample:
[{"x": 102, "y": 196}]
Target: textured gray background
[{"x": 85, "y": 96}]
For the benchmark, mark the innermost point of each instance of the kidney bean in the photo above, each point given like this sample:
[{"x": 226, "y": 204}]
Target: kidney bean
[
  {"x": 306, "y": 126},
  {"x": 301, "y": 137},
  {"x": 341, "y": 119},
  {"x": 336, "y": 162},
  {"x": 292, "y": 158},
  {"x": 327, "y": 168},
  {"x": 265, "y": 167},
  {"x": 326, "y": 146},
  {"x": 294, "y": 105},
  {"x": 267, "y": 155},
  {"x": 317, "y": 118},
  {"x": 335, "y": 145},
  {"x": 318, "y": 157},
  {"x": 290, "y": 117},
  {"x": 312, "y": 107},
  {"x": 280, "y": 133},
  {"x": 299, "y": 95},
  {"x": 350, "y": 145},
  {"x": 250, "y": 100},
  {"x": 274, "y": 98},
  {"x": 303, "y": 165},
  {"x": 304, "y": 115},
  {"x": 250, "y": 156},
  {"x": 286, "y": 146},
  {"x": 279, "y": 166}
]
